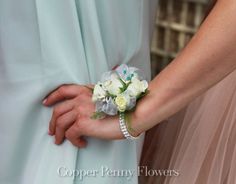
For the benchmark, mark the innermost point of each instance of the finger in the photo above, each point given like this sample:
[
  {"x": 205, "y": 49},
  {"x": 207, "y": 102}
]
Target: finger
[
  {"x": 62, "y": 93},
  {"x": 74, "y": 135},
  {"x": 58, "y": 111},
  {"x": 114, "y": 67},
  {"x": 81, "y": 142},
  {"x": 62, "y": 124}
]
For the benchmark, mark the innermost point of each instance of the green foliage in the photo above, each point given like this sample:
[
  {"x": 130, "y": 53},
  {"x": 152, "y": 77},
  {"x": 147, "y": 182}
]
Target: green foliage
[
  {"x": 98, "y": 115},
  {"x": 143, "y": 94},
  {"x": 125, "y": 86},
  {"x": 91, "y": 89},
  {"x": 129, "y": 123}
]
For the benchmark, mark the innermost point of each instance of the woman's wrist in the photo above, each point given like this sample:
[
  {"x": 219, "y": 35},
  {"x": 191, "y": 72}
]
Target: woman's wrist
[
  {"x": 133, "y": 124},
  {"x": 142, "y": 118}
]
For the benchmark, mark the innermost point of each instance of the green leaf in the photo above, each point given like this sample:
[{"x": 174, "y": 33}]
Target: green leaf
[
  {"x": 98, "y": 115},
  {"x": 111, "y": 95},
  {"x": 123, "y": 84},
  {"x": 122, "y": 89},
  {"x": 129, "y": 123},
  {"x": 143, "y": 94},
  {"x": 92, "y": 89}
]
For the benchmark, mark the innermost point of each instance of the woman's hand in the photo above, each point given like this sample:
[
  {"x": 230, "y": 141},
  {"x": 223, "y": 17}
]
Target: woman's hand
[{"x": 71, "y": 117}]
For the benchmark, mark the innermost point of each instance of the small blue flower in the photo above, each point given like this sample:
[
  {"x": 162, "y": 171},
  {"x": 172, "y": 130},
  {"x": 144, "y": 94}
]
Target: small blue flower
[{"x": 125, "y": 72}]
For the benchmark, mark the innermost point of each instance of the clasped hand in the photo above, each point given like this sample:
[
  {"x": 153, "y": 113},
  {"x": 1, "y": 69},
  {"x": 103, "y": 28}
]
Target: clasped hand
[{"x": 71, "y": 117}]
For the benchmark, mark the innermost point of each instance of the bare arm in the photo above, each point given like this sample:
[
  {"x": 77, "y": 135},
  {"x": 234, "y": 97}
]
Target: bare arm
[{"x": 208, "y": 58}]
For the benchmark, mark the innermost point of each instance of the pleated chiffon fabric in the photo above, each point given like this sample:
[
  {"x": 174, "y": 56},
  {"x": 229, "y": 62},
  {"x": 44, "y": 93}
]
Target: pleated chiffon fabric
[
  {"x": 198, "y": 142},
  {"x": 47, "y": 43}
]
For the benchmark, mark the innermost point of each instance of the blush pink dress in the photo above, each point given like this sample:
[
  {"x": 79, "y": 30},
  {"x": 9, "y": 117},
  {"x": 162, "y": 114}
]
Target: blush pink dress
[{"x": 198, "y": 142}]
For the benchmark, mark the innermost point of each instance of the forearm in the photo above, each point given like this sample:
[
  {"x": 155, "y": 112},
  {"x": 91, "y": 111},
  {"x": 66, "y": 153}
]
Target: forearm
[{"x": 207, "y": 59}]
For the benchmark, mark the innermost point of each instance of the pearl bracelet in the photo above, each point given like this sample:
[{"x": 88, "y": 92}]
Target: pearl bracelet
[{"x": 124, "y": 129}]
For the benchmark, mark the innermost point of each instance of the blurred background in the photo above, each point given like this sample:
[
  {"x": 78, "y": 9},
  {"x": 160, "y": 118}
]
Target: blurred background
[{"x": 176, "y": 23}]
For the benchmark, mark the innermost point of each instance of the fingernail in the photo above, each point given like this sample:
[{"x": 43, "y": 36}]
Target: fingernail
[
  {"x": 44, "y": 101},
  {"x": 49, "y": 132}
]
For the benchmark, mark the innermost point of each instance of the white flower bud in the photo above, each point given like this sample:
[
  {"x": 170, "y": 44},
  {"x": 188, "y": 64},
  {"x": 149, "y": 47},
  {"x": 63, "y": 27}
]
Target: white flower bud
[
  {"x": 122, "y": 101},
  {"x": 137, "y": 87},
  {"x": 114, "y": 85},
  {"x": 98, "y": 92}
]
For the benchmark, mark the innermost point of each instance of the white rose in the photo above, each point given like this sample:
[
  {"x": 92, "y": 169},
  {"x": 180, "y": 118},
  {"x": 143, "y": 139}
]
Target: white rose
[
  {"x": 137, "y": 87},
  {"x": 122, "y": 101},
  {"x": 98, "y": 92},
  {"x": 114, "y": 85}
]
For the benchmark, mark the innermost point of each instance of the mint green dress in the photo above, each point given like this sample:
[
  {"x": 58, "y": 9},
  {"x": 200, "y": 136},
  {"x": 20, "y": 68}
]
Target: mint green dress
[{"x": 47, "y": 43}]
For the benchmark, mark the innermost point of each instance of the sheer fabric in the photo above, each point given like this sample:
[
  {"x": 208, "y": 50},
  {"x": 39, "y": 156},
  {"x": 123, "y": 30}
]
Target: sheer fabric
[{"x": 198, "y": 142}]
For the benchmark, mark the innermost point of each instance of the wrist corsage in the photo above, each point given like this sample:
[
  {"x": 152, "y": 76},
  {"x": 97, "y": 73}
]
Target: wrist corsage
[{"x": 118, "y": 91}]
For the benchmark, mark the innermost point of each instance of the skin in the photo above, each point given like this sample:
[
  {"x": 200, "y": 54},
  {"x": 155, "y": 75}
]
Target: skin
[
  {"x": 207, "y": 59},
  {"x": 71, "y": 117}
]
